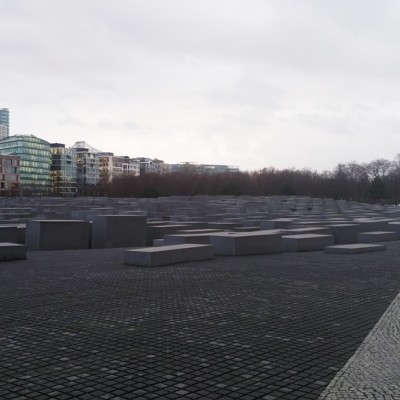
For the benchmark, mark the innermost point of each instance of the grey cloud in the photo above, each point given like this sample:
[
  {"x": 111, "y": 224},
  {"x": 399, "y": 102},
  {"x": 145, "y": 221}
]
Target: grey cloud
[{"x": 242, "y": 80}]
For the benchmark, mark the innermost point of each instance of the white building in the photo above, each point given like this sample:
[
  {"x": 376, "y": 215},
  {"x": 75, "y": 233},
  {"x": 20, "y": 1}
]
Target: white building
[{"x": 113, "y": 166}]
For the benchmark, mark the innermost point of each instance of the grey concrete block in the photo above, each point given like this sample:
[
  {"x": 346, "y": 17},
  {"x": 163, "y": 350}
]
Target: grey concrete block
[
  {"x": 57, "y": 235},
  {"x": 394, "y": 227},
  {"x": 246, "y": 243},
  {"x": 322, "y": 230},
  {"x": 224, "y": 225},
  {"x": 345, "y": 233},
  {"x": 306, "y": 242},
  {"x": 21, "y": 233},
  {"x": 159, "y": 231},
  {"x": 277, "y": 223},
  {"x": 119, "y": 231},
  {"x": 9, "y": 233},
  {"x": 354, "y": 248},
  {"x": 370, "y": 224},
  {"x": 195, "y": 231},
  {"x": 181, "y": 238},
  {"x": 378, "y": 236},
  {"x": 166, "y": 255},
  {"x": 12, "y": 251}
]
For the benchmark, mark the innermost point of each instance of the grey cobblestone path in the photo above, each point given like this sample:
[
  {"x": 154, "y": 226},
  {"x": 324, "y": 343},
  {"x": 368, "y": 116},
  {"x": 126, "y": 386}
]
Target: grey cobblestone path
[
  {"x": 82, "y": 325},
  {"x": 374, "y": 370}
]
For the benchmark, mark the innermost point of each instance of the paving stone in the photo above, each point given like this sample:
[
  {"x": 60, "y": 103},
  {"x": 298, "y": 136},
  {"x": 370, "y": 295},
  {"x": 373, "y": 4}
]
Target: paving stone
[{"x": 75, "y": 323}]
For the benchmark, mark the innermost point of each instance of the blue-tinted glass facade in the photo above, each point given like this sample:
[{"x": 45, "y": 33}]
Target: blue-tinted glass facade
[{"x": 35, "y": 162}]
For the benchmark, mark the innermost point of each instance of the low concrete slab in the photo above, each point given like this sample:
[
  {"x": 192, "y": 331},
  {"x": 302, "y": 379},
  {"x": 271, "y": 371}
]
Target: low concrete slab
[
  {"x": 195, "y": 231},
  {"x": 166, "y": 255},
  {"x": 378, "y": 236},
  {"x": 370, "y": 224},
  {"x": 12, "y": 251},
  {"x": 322, "y": 230},
  {"x": 181, "y": 238},
  {"x": 306, "y": 242},
  {"x": 354, "y": 248},
  {"x": 277, "y": 223},
  {"x": 159, "y": 231},
  {"x": 246, "y": 243},
  {"x": 224, "y": 225},
  {"x": 246, "y": 229}
]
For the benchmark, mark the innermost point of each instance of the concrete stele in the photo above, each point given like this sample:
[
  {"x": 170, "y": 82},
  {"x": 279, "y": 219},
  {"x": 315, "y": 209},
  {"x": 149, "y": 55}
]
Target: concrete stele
[
  {"x": 354, "y": 248},
  {"x": 57, "y": 235},
  {"x": 12, "y": 251},
  {"x": 306, "y": 242},
  {"x": 247, "y": 243},
  {"x": 119, "y": 231},
  {"x": 166, "y": 255}
]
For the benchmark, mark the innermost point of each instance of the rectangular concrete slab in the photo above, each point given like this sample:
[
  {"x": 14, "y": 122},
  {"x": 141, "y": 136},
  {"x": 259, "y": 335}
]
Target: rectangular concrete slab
[
  {"x": 181, "y": 238},
  {"x": 119, "y": 231},
  {"x": 378, "y": 236},
  {"x": 12, "y": 251},
  {"x": 354, "y": 248},
  {"x": 345, "y": 233},
  {"x": 246, "y": 243},
  {"x": 323, "y": 230},
  {"x": 159, "y": 231},
  {"x": 57, "y": 235},
  {"x": 277, "y": 223},
  {"x": 166, "y": 255},
  {"x": 9, "y": 233},
  {"x": 370, "y": 224},
  {"x": 306, "y": 242}
]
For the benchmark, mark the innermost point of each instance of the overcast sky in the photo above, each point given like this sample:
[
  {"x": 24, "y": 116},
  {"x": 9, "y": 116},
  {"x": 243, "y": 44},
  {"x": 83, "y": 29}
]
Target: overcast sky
[{"x": 252, "y": 83}]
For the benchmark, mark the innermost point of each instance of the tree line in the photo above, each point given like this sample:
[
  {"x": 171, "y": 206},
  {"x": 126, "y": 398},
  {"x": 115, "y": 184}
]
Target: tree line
[{"x": 375, "y": 181}]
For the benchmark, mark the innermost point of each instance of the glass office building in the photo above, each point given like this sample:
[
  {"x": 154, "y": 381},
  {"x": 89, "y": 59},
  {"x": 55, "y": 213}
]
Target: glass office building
[
  {"x": 63, "y": 171},
  {"x": 35, "y": 162},
  {"x": 4, "y": 123}
]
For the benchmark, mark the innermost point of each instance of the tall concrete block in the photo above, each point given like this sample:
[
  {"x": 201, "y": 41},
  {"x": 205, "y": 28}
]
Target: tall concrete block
[
  {"x": 57, "y": 235},
  {"x": 345, "y": 233},
  {"x": 119, "y": 231}
]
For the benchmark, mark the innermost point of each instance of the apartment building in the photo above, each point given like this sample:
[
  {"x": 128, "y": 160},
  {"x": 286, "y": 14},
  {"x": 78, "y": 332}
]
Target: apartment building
[{"x": 9, "y": 176}]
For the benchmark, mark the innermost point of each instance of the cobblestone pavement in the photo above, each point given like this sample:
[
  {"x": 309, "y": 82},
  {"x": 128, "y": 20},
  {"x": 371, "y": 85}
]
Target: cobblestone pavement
[
  {"x": 81, "y": 325},
  {"x": 374, "y": 370}
]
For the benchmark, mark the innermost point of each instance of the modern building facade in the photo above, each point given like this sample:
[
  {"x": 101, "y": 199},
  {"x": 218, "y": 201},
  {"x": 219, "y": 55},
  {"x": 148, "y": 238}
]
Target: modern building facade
[
  {"x": 9, "y": 176},
  {"x": 151, "y": 166},
  {"x": 202, "y": 168},
  {"x": 113, "y": 166},
  {"x": 4, "y": 123},
  {"x": 64, "y": 179},
  {"x": 35, "y": 162},
  {"x": 88, "y": 167}
]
